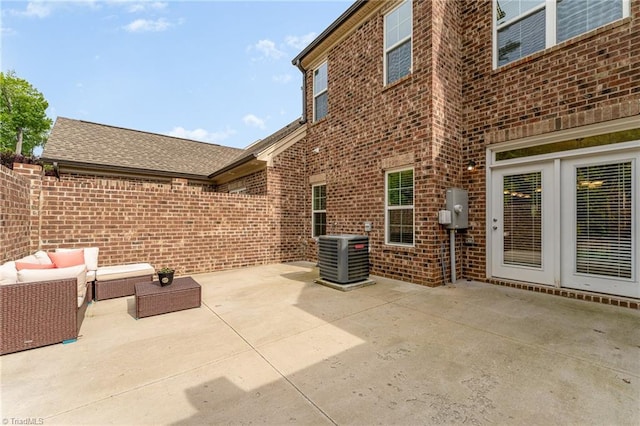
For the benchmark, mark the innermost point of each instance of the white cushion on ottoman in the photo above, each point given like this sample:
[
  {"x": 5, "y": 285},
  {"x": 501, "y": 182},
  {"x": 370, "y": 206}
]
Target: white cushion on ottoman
[{"x": 108, "y": 273}]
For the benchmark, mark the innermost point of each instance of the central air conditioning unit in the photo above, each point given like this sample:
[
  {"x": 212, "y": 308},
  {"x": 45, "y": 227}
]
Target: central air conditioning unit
[{"x": 343, "y": 259}]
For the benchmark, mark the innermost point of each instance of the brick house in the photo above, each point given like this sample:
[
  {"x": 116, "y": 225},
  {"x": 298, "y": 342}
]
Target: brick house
[{"x": 533, "y": 107}]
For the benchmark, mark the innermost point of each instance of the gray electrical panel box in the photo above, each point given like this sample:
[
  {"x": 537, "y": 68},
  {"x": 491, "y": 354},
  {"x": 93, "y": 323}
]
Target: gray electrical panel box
[{"x": 458, "y": 205}]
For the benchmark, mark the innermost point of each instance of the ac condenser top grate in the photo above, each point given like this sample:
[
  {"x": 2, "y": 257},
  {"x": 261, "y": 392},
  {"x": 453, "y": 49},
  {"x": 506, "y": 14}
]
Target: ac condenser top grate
[{"x": 343, "y": 259}]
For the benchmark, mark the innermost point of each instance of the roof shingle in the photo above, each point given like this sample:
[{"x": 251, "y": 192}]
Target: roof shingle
[{"x": 84, "y": 142}]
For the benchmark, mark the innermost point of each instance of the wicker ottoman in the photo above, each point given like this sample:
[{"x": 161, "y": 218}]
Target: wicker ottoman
[
  {"x": 153, "y": 299},
  {"x": 120, "y": 280}
]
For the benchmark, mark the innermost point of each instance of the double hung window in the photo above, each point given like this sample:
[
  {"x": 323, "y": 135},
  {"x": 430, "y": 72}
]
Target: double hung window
[
  {"x": 319, "y": 210},
  {"x": 320, "y": 92},
  {"x": 523, "y": 27},
  {"x": 399, "y": 207},
  {"x": 397, "y": 42}
]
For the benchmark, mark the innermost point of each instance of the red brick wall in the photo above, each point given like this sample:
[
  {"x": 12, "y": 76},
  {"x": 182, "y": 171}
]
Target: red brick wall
[
  {"x": 371, "y": 127},
  {"x": 190, "y": 227},
  {"x": 165, "y": 224},
  {"x": 588, "y": 79},
  {"x": 287, "y": 195},
  {"x": 255, "y": 184},
  {"x": 15, "y": 230}
]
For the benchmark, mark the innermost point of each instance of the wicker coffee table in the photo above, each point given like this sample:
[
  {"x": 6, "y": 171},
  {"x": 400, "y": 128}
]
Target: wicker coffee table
[{"x": 153, "y": 299}]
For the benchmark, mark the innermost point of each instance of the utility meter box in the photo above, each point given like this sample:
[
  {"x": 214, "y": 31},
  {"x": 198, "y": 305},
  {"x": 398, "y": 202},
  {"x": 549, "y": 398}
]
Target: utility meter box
[{"x": 458, "y": 205}]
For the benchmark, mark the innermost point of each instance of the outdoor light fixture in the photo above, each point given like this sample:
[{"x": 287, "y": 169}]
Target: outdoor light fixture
[{"x": 471, "y": 166}]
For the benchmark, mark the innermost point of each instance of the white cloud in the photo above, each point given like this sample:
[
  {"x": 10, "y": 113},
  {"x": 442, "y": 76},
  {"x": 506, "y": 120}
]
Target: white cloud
[
  {"x": 202, "y": 134},
  {"x": 268, "y": 49},
  {"x": 300, "y": 42},
  {"x": 6, "y": 31},
  {"x": 148, "y": 25},
  {"x": 253, "y": 121},
  {"x": 147, "y": 5},
  {"x": 282, "y": 78},
  {"x": 36, "y": 9}
]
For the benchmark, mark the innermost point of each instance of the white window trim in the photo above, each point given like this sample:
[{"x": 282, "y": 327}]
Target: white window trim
[
  {"x": 398, "y": 43},
  {"x": 550, "y": 24},
  {"x": 387, "y": 207},
  {"x": 313, "y": 211},
  {"x": 325, "y": 90}
]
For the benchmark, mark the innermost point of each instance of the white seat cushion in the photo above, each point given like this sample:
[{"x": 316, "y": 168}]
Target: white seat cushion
[
  {"x": 79, "y": 272},
  {"x": 107, "y": 273},
  {"x": 91, "y": 276}
]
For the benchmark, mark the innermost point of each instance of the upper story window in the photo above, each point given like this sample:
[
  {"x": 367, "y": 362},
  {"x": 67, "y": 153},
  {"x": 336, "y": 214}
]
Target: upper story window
[
  {"x": 320, "y": 93},
  {"x": 319, "y": 210},
  {"x": 397, "y": 42},
  {"x": 399, "y": 207},
  {"x": 524, "y": 27}
]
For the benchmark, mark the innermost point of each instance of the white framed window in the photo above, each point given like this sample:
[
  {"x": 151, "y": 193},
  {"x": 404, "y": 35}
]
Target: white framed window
[
  {"x": 320, "y": 92},
  {"x": 398, "y": 28},
  {"x": 399, "y": 211},
  {"x": 318, "y": 210},
  {"x": 523, "y": 27}
]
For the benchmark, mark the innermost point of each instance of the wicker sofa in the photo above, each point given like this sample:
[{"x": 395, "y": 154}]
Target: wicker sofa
[
  {"x": 41, "y": 307},
  {"x": 45, "y": 302}
]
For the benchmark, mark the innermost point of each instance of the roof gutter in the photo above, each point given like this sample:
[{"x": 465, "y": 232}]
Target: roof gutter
[
  {"x": 341, "y": 19},
  {"x": 120, "y": 169}
]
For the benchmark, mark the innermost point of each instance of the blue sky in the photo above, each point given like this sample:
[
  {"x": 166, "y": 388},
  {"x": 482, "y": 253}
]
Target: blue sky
[{"x": 216, "y": 71}]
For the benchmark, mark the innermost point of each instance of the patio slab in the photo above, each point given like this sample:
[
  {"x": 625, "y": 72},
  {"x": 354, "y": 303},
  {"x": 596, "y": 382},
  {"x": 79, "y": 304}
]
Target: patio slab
[{"x": 271, "y": 346}]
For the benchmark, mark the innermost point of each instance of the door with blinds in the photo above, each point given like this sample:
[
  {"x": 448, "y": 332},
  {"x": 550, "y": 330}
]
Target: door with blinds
[
  {"x": 522, "y": 225},
  {"x": 600, "y": 229}
]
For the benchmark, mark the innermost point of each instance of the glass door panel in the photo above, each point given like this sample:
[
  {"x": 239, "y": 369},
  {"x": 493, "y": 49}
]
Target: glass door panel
[{"x": 599, "y": 224}]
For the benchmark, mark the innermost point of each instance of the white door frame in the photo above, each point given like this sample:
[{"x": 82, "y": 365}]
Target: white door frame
[{"x": 545, "y": 273}]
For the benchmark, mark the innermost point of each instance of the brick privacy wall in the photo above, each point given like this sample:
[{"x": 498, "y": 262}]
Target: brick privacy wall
[
  {"x": 166, "y": 224},
  {"x": 15, "y": 215},
  {"x": 589, "y": 79},
  {"x": 371, "y": 128}
]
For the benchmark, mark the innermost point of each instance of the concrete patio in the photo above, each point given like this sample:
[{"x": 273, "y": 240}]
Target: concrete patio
[{"x": 269, "y": 346}]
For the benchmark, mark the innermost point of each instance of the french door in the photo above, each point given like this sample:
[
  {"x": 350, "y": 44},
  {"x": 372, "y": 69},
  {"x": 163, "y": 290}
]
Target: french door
[
  {"x": 522, "y": 224},
  {"x": 569, "y": 222},
  {"x": 600, "y": 224}
]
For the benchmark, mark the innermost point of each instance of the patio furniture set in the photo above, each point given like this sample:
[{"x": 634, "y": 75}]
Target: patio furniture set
[{"x": 44, "y": 296}]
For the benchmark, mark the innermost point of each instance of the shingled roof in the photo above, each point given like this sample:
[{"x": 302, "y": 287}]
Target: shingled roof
[{"x": 82, "y": 143}]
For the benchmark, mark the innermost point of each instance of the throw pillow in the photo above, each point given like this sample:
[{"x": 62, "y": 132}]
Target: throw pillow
[
  {"x": 8, "y": 273},
  {"x": 43, "y": 257},
  {"x": 25, "y": 265},
  {"x": 90, "y": 256},
  {"x": 67, "y": 258}
]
